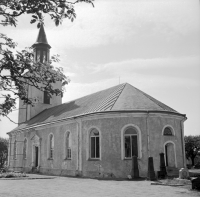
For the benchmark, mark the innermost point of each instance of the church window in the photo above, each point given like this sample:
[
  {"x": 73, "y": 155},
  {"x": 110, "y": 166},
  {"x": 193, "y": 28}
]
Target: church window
[
  {"x": 130, "y": 143},
  {"x": 46, "y": 98},
  {"x": 94, "y": 144},
  {"x": 68, "y": 153},
  {"x": 25, "y": 148},
  {"x": 51, "y": 146},
  {"x": 167, "y": 131},
  {"x": 15, "y": 150}
]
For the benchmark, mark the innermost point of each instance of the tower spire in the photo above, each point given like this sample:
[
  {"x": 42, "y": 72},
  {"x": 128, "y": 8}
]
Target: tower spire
[{"x": 42, "y": 36}]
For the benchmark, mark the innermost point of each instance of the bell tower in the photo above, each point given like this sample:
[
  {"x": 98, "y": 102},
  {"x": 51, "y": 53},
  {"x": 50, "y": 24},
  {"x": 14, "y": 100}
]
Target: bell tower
[
  {"x": 41, "y": 100},
  {"x": 41, "y": 47}
]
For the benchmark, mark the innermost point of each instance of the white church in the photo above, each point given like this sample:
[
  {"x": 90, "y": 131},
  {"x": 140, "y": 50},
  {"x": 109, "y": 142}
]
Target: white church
[{"x": 96, "y": 135}]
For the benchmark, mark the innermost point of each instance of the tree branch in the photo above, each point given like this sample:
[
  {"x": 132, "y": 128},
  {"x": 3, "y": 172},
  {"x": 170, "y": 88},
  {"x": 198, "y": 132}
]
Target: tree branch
[{"x": 10, "y": 119}]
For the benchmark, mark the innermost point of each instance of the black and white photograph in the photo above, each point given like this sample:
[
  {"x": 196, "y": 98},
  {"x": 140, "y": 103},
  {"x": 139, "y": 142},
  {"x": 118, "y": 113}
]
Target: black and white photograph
[{"x": 99, "y": 98}]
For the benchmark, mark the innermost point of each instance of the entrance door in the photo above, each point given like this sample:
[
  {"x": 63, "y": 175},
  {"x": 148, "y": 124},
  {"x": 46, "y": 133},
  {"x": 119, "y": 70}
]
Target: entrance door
[
  {"x": 35, "y": 151},
  {"x": 36, "y": 156},
  {"x": 170, "y": 155}
]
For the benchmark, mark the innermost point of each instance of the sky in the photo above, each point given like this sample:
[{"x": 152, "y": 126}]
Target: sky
[{"x": 153, "y": 45}]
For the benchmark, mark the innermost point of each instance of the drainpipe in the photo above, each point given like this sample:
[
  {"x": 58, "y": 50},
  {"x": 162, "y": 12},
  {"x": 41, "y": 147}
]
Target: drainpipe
[
  {"x": 183, "y": 141},
  {"x": 9, "y": 150},
  {"x": 80, "y": 147},
  {"x": 148, "y": 135},
  {"x": 28, "y": 116},
  {"x": 77, "y": 146}
]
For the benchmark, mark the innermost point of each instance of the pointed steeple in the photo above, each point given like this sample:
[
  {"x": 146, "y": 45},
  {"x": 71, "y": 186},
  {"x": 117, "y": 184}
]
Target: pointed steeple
[
  {"x": 41, "y": 46},
  {"x": 41, "y": 38}
]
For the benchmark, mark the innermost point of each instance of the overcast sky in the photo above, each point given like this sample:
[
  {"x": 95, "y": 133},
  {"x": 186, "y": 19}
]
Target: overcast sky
[{"x": 152, "y": 44}]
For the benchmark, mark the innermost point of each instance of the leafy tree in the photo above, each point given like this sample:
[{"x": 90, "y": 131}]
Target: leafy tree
[
  {"x": 3, "y": 151},
  {"x": 192, "y": 147},
  {"x": 17, "y": 68}
]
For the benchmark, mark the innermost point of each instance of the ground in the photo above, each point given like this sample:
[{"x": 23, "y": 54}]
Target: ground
[{"x": 42, "y": 186}]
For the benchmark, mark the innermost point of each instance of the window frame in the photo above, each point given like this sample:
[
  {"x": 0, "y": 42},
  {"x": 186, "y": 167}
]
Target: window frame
[
  {"x": 67, "y": 147},
  {"x": 171, "y": 128},
  {"x": 25, "y": 146},
  {"x": 51, "y": 146},
  {"x": 89, "y": 156},
  {"x": 130, "y": 135},
  {"x": 139, "y": 141}
]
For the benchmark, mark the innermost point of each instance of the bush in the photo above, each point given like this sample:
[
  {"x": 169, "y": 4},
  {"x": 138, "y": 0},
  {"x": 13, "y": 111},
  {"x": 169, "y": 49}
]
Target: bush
[
  {"x": 12, "y": 175},
  {"x": 197, "y": 165},
  {"x": 189, "y": 166}
]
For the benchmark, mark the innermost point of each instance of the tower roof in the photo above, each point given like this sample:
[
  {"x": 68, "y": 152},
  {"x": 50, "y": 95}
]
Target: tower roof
[
  {"x": 121, "y": 98},
  {"x": 41, "y": 38}
]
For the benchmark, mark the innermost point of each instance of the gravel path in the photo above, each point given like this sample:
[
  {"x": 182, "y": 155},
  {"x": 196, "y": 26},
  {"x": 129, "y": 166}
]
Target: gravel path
[{"x": 70, "y": 187}]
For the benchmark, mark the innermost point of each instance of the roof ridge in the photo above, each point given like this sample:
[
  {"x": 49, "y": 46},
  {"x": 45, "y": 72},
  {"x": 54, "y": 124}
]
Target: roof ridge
[
  {"x": 113, "y": 97},
  {"x": 119, "y": 95},
  {"x": 101, "y": 106},
  {"x": 88, "y": 95}
]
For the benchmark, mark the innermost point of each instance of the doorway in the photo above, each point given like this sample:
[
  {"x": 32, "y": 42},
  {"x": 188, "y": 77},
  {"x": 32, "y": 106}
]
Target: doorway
[
  {"x": 36, "y": 156},
  {"x": 170, "y": 155},
  {"x": 35, "y": 151}
]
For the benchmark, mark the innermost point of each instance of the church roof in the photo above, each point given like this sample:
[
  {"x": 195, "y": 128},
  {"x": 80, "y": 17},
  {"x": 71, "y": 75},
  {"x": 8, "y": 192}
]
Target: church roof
[
  {"x": 41, "y": 38},
  {"x": 120, "y": 98}
]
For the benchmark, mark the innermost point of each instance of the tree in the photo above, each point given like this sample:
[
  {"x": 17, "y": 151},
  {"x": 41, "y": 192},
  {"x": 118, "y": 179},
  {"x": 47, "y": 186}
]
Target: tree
[
  {"x": 3, "y": 151},
  {"x": 17, "y": 69},
  {"x": 192, "y": 147}
]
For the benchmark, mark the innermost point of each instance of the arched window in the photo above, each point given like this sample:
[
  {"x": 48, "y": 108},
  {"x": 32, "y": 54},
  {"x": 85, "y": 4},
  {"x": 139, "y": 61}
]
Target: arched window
[
  {"x": 15, "y": 150},
  {"x": 25, "y": 148},
  {"x": 130, "y": 142},
  {"x": 94, "y": 144},
  {"x": 51, "y": 146},
  {"x": 68, "y": 153},
  {"x": 167, "y": 131}
]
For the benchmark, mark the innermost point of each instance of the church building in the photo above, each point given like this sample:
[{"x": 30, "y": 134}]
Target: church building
[{"x": 96, "y": 135}]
